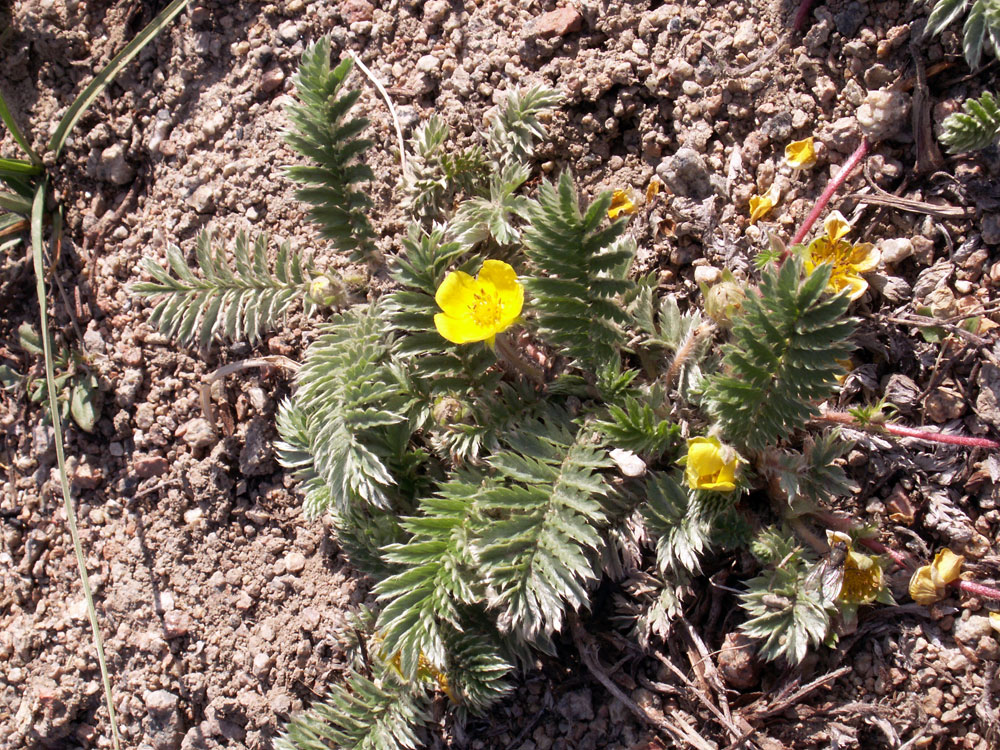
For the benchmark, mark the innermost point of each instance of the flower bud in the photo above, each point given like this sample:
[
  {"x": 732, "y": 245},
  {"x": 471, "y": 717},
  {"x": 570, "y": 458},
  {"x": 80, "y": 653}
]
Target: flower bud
[
  {"x": 723, "y": 301},
  {"x": 327, "y": 291},
  {"x": 448, "y": 410}
]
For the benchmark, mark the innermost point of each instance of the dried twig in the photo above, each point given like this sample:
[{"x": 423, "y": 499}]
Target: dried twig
[
  {"x": 784, "y": 701},
  {"x": 917, "y": 207},
  {"x": 680, "y": 730},
  {"x": 737, "y": 734}
]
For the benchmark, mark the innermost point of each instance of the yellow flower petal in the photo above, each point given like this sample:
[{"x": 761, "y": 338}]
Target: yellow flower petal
[
  {"x": 864, "y": 257},
  {"x": 710, "y": 465},
  {"x": 621, "y": 203},
  {"x": 995, "y": 621},
  {"x": 453, "y": 294},
  {"x": 761, "y": 205},
  {"x": 801, "y": 154},
  {"x": 857, "y": 285},
  {"x": 947, "y": 567},
  {"x": 457, "y": 330},
  {"x": 922, "y": 588},
  {"x": 510, "y": 293},
  {"x": 652, "y": 190},
  {"x": 836, "y": 226}
]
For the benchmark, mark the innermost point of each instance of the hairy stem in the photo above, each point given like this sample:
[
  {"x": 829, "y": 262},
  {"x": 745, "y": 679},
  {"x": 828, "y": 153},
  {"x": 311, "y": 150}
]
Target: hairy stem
[
  {"x": 930, "y": 436},
  {"x": 840, "y": 523},
  {"x": 802, "y": 15},
  {"x": 685, "y": 352},
  {"x": 831, "y": 188},
  {"x": 978, "y": 589},
  {"x": 511, "y": 357}
]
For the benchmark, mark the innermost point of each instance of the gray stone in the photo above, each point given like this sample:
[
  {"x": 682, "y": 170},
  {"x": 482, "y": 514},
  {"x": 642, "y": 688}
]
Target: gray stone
[
  {"x": 202, "y": 200},
  {"x": 971, "y": 630},
  {"x": 577, "y": 705},
  {"x": 113, "y": 167},
  {"x": 687, "y": 174},
  {"x": 932, "y": 278},
  {"x": 779, "y": 127},
  {"x": 849, "y": 20},
  {"x": 197, "y": 433},
  {"x": 883, "y": 114},
  {"x": 991, "y": 229},
  {"x": 256, "y": 455},
  {"x": 895, "y": 250},
  {"x": 272, "y": 80},
  {"x": 161, "y": 702}
]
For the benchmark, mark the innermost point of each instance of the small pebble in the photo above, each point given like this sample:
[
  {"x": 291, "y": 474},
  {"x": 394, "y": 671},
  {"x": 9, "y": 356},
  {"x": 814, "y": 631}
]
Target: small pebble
[{"x": 295, "y": 562}]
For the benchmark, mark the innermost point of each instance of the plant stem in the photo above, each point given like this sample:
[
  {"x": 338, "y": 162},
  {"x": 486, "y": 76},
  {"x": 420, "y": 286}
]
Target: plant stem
[
  {"x": 37, "y": 210},
  {"x": 802, "y": 15},
  {"x": 511, "y": 357},
  {"x": 686, "y": 350},
  {"x": 835, "y": 183},
  {"x": 978, "y": 589},
  {"x": 930, "y": 436},
  {"x": 839, "y": 523}
]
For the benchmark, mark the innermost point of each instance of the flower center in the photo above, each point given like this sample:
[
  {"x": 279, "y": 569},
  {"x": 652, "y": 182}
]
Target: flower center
[{"x": 486, "y": 308}]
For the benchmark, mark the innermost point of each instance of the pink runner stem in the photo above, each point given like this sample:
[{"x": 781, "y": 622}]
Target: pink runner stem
[{"x": 835, "y": 183}]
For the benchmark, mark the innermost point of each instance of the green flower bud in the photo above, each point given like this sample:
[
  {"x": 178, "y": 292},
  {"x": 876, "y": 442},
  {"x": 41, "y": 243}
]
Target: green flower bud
[
  {"x": 327, "y": 291},
  {"x": 723, "y": 301}
]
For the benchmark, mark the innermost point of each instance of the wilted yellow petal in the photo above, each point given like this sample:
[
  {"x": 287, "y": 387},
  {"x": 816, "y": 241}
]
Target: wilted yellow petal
[
  {"x": 621, "y": 203},
  {"x": 800, "y": 154},
  {"x": 864, "y": 257},
  {"x": 761, "y": 205},
  {"x": 947, "y": 567},
  {"x": 652, "y": 190},
  {"x": 995, "y": 621},
  {"x": 710, "y": 465},
  {"x": 836, "y": 226},
  {"x": 922, "y": 588}
]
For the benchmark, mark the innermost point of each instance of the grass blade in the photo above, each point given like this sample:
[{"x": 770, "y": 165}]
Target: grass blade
[
  {"x": 14, "y": 202},
  {"x": 37, "y": 220},
  {"x": 18, "y": 168},
  {"x": 8, "y": 120},
  {"x": 106, "y": 76}
]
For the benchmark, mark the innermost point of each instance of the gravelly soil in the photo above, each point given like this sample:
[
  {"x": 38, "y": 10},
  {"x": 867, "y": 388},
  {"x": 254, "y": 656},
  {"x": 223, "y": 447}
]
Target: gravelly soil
[{"x": 222, "y": 609}]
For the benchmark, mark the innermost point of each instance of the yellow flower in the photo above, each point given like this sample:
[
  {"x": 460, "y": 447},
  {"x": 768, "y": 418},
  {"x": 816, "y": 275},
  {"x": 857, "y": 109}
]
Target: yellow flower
[
  {"x": 862, "y": 579},
  {"x": 929, "y": 583},
  {"x": 848, "y": 261},
  {"x": 852, "y": 578},
  {"x": 710, "y": 465},
  {"x": 621, "y": 203},
  {"x": 800, "y": 154},
  {"x": 761, "y": 205},
  {"x": 477, "y": 309}
]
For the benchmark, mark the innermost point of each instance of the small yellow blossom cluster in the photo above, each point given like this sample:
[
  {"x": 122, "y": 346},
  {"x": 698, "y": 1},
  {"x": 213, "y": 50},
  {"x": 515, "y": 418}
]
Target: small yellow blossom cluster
[
  {"x": 477, "y": 309},
  {"x": 929, "y": 583},
  {"x": 848, "y": 261},
  {"x": 863, "y": 580},
  {"x": 710, "y": 465}
]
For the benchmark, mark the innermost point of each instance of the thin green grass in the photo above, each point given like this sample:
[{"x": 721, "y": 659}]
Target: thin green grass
[{"x": 106, "y": 76}]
